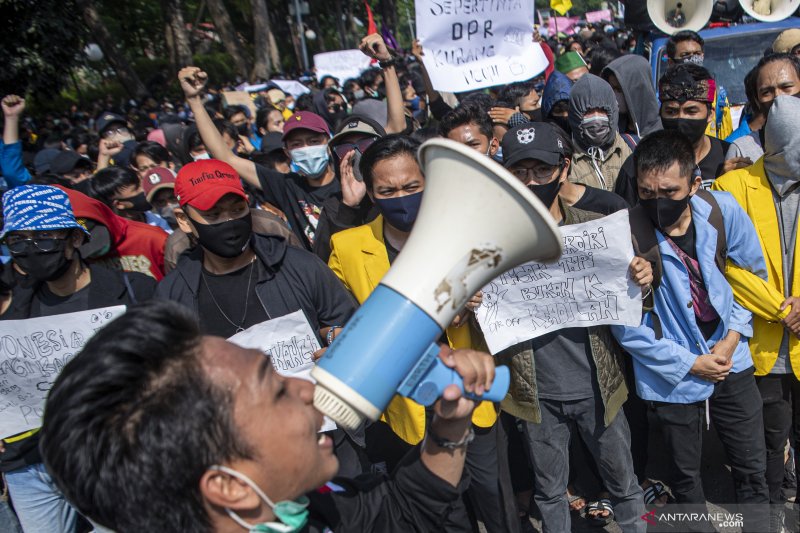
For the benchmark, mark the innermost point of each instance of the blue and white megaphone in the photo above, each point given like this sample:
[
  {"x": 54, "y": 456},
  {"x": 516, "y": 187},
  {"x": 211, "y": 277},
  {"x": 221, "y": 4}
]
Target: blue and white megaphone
[{"x": 475, "y": 222}]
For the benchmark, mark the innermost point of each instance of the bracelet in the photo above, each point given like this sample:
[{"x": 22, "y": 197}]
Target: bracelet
[
  {"x": 449, "y": 444},
  {"x": 329, "y": 336},
  {"x": 648, "y": 293},
  {"x": 388, "y": 63}
]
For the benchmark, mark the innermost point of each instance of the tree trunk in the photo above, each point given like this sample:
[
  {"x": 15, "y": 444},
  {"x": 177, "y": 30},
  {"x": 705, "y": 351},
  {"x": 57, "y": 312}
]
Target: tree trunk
[
  {"x": 127, "y": 76},
  {"x": 224, "y": 27},
  {"x": 274, "y": 56},
  {"x": 261, "y": 40},
  {"x": 173, "y": 15},
  {"x": 338, "y": 10}
]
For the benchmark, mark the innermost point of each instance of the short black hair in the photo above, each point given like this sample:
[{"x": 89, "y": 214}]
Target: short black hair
[
  {"x": 153, "y": 150},
  {"x": 772, "y": 58},
  {"x": 513, "y": 93},
  {"x": 132, "y": 423},
  {"x": 232, "y": 110},
  {"x": 106, "y": 183},
  {"x": 386, "y": 148},
  {"x": 681, "y": 36},
  {"x": 304, "y": 102},
  {"x": 660, "y": 150},
  {"x": 599, "y": 58},
  {"x": 369, "y": 76},
  {"x": 467, "y": 113}
]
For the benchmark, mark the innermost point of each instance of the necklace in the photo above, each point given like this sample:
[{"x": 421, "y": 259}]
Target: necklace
[{"x": 239, "y": 327}]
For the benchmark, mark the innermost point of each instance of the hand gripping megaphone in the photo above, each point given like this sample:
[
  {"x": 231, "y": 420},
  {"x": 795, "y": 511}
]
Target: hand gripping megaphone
[
  {"x": 476, "y": 221},
  {"x": 770, "y": 10},
  {"x": 672, "y": 16}
]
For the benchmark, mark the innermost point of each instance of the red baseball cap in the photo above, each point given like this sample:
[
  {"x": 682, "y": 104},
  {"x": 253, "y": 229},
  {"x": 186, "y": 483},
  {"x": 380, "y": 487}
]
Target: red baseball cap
[
  {"x": 157, "y": 178},
  {"x": 201, "y": 184},
  {"x": 305, "y": 120}
]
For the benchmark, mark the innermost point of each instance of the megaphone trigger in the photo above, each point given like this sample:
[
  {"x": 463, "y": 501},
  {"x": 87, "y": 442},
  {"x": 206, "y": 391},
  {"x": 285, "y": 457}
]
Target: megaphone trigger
[{"x": 428, "y": 379}]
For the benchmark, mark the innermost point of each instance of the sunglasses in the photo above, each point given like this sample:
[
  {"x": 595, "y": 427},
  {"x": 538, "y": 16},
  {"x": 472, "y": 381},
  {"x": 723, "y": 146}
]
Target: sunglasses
[
  {"x": 18, "y": 246},
  {"x": 341, "y": 150}
]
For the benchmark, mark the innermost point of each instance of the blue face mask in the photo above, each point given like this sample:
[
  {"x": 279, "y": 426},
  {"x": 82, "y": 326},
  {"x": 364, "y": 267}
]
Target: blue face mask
[
  {"x": 414, "y": 103},
  {"x": 400, "y": 212},
  {"x": 310, "y": 161}
]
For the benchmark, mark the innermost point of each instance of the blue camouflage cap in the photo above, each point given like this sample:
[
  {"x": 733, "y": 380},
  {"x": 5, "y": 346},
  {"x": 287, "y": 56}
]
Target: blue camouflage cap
[{"x": 37, "y": 208}]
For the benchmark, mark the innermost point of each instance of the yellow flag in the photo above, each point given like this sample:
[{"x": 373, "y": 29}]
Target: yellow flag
[{"x": 561, "y": 6}]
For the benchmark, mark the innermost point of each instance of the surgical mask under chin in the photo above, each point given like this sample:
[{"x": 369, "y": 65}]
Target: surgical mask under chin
[
  {"x": 200, "y": 157},
  {"x": 292, "y": 515},
  {"x": 359, "y": 94},
  {"x": 310, "y": 161},
  {"x": 596, "y": 131}
]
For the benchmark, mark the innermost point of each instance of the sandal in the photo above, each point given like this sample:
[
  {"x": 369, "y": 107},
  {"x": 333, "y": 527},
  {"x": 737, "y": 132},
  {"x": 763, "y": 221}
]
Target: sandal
[
  {"x": 654, "y": 492},
  {"x": 600, "y": 506}
]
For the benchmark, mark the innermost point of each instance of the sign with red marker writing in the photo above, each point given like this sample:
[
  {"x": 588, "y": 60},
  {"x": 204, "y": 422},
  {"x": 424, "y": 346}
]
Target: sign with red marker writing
[{"x": 473, "y": 44}]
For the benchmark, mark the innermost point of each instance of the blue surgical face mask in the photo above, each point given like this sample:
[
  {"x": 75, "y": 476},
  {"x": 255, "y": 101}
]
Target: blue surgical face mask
[
  {"x": 401, "y": 211},
  {"x": 310, "y": 161},
  {"x": 414, "y": 103},
  {"x": 199, "y": 157},
  {"x": 498, "y": 155},
  {"x": 292, "y": 515}
]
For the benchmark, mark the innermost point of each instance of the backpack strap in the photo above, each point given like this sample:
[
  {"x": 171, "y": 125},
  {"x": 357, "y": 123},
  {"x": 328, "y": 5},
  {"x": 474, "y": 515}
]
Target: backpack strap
[
  {"x": 645, "y": 243},
  {"x": 716, "y": 220}
]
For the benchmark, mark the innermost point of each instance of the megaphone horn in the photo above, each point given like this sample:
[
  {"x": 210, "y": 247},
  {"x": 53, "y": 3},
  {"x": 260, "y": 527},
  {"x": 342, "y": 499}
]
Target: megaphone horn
[
  {"x": 672, "y": 16},
  {"x": 476, "y": 221},
  {"x": 770, "y": 10}
]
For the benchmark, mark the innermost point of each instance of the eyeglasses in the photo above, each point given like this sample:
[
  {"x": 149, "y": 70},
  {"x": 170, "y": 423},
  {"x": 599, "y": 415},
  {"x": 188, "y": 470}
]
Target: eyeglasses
[
  {"x": 341, "y": 150},
  {"x": 20, "y": 245},
  {"x": 110, "y": 133},
  {"x": 540, "y": 172}
]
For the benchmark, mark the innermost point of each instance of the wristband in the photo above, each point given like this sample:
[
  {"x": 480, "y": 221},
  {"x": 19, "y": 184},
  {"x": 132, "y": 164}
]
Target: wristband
[
  {"x": 388, "y": 63},
  {"x": 449, "y": 444},
  {"x": 329, "y": 336}
]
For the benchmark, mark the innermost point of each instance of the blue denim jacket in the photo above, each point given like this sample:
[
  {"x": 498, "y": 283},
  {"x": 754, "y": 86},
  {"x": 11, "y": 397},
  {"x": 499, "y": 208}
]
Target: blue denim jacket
[
  {"x": 11, "y": 167},
  {"x": 661, "y": 366}
]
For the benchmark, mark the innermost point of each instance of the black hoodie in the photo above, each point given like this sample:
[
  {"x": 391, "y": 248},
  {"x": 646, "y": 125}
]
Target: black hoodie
[{"x": 633, "y": 74}]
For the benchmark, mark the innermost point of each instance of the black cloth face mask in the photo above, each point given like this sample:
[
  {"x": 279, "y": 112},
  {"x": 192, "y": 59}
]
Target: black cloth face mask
[
  {"x": 44, "y": 266},
  {"x": 664, "y": 212},
  {"x": 692, "y": 128},
  {"x": 548, "y": 192},
  {"x": 139, "y": 203},
  {"x": 226, "y": 239}
]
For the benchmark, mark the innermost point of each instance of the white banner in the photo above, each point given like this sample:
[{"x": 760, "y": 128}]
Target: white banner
[
  {"x": 290, "y": 342},
  {"x": 478, "y": 43},
  {"x": 588, "y": 286},
  {"x": 342, "y": 64},
  {"x": 32, "y": 354}
]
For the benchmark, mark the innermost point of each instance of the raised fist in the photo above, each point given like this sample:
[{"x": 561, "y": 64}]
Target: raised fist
[
  {"x": 13, "y": 105},
  {"x": 193, "y": 81}
]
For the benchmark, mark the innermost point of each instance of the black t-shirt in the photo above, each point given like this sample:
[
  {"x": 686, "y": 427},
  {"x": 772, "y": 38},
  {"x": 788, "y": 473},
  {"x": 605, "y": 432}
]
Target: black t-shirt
[
  {"x": 228, "y": 295},
  {"x": 48, "y": 304},
  {"x": 564, "y": 365},
  {"x": 687, "y": 243},
  {"x": 711, "y": 165},
  {"x": 301, "y": 202},
  {"x": 600, "y": 201},
  {"x": 390, "y": 251}
]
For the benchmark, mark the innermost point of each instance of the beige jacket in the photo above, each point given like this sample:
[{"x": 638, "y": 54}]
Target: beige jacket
[{"x": 602, "y": 172}]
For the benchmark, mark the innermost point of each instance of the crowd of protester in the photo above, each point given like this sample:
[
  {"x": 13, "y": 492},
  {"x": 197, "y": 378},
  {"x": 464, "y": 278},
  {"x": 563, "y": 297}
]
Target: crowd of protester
[{"x": 207, "y": 219}]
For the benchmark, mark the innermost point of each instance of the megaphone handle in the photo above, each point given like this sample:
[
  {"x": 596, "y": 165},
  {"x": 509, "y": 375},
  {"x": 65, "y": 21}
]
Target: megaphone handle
[{"x": 427, "y": 381}]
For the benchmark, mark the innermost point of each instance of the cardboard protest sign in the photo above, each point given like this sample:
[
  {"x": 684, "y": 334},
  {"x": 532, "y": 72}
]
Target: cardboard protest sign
[
  {"x": 290, "y": 342},
  {"x": 588, "y": 286},
  {"x": 32, "y": 354},
  {"x": 562, "y": 25},
  {"x": 230, "y": 98},
  {"x": 472, "y": 45},
  {"x": 342, "y": 64}
]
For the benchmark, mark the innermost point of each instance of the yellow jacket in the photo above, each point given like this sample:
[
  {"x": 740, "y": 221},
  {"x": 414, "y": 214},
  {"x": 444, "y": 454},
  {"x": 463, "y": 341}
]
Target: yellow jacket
[
  {"x": 359, "y": 258},
  {"x": 752, "y": 191}
]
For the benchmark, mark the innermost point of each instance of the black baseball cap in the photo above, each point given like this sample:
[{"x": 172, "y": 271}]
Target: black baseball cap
[
  {"x": 532, "y": 140},
  {"x": 67, "y": 161},
  {"x": 107, "y": 119}
]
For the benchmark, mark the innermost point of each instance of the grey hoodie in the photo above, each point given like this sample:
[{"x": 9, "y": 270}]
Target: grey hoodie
[
  {"x": 591, "y": 92},
  {"x": 633, "y": 74}
]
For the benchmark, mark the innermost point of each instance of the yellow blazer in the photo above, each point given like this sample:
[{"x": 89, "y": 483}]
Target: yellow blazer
[
  {"x": 750, "y": 186},
  {"x": 359, "y": 258}
]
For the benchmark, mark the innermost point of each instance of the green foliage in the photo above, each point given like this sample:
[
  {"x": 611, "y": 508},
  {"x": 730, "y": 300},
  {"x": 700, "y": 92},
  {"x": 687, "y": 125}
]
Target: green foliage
[{"x": 40, "y": 43}]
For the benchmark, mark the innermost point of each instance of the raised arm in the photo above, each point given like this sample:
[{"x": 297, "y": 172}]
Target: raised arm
[
  {"x": 11, "y": 166},
  {"x": 373, "y": 46},
  {"x": 193, "y": 81},
  {"x": 13, "y": 106},
  {"x": 418, "y": 52}
]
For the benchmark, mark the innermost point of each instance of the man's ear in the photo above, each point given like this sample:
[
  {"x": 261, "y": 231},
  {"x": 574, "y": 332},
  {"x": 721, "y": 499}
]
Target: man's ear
[
  {"x": 494, "y": 145},
  {"x": 224, "y": 490},
  {"x": 183, "y": 221},
  {"x": 565, "y": 170},
  {"x": 696, "y": 182}
]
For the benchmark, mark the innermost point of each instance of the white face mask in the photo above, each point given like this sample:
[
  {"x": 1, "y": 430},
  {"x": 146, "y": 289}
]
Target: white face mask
[
  {"x": 293, "y": 515},
  {"x": 200, "y": 157}
]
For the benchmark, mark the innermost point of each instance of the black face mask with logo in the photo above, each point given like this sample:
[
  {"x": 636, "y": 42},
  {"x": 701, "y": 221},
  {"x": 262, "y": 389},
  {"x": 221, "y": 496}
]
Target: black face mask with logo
[{"x": 227, "y": 239}]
